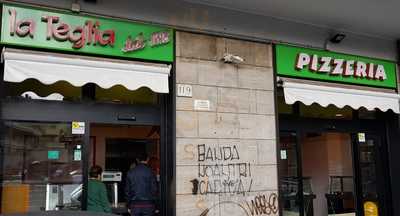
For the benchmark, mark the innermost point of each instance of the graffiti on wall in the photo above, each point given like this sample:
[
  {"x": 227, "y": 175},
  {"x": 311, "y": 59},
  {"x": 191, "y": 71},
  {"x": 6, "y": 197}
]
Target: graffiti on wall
[
  {"x": 219, "y": 170},
  {"x": 257, "y": 206},
  {"x": 263, "y": 205}
]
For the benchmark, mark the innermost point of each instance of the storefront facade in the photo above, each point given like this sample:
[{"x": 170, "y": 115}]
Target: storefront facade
[
  {"x": 235, "y": 126},
  {"x": 80, "y": 91},
  {"x": 337, "y": 125}
]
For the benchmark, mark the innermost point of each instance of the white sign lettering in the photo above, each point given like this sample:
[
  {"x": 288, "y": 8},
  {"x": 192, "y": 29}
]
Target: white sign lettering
[
  {"x": 340, "y": 67},
  {"x": 184, "y": 90}
]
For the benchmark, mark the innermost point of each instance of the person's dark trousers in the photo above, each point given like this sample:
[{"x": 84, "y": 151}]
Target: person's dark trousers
[{"x": 142, "y": 210}]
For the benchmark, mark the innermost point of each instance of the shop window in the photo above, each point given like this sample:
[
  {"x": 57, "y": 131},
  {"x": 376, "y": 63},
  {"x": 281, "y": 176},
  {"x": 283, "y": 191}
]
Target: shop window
[
  {"x": 330, "y": 112},
  {"x": 32, "y": 89},
  {"x": 42, "y": 168},
  {"x": 121, "y": 95},
  {"x": 366, "y": 114},
  {"x": 314, "y": 110}
]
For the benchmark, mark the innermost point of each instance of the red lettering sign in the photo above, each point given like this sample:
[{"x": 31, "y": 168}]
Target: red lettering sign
[
  {"x": 89, "y": 34},
  {"x": 79, "y": 36}
]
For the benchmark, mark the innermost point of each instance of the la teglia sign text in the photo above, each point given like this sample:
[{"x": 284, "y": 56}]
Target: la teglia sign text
[
  {"x": 56, "y": 29},
  {"x": 63, "y": 31}
]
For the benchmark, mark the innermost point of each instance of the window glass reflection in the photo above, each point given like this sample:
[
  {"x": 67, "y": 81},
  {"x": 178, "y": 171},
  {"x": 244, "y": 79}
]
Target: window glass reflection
[{"x": 42, "y": 167}]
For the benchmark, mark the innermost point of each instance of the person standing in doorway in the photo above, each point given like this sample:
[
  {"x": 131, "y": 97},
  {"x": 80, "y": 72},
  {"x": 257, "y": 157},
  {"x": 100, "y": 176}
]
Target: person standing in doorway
[
  {"x": 141, "y": 188},
  {"x": 97, "y": 193}
]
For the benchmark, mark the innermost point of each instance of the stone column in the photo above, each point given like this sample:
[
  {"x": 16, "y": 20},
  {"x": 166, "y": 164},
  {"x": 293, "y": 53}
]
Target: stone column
[{"x": 226, "y": 156}]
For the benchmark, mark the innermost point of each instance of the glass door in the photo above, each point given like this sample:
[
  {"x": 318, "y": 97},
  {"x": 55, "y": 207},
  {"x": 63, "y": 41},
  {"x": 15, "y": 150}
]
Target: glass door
[
  {"x": 41, "y": 167},
  {"x": 117, "y": 149},
  {"x": 290, "y": 181},
  {"x": 327, "y": 170},
  {"x": 371, "y": 174}
]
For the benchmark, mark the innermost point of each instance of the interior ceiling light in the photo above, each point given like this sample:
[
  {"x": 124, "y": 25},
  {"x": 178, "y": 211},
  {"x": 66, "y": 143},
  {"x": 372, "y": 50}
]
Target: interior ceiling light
[
  {"x": 339, "y": 115},
  {"x": 337, "y": 38}
]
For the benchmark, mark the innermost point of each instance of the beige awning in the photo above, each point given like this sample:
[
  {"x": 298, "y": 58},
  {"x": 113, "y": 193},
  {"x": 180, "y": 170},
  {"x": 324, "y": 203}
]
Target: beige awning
[
  {"x": 340, "y": 97},
  {"x": 49, "y": 68}
]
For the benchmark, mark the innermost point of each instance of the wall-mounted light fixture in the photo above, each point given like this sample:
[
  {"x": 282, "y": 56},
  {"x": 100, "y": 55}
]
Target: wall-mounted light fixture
[
  {"x": 75, "y": 7},
  {"x": 334, "y": 38},
  {"x": 337, "y": 38}
]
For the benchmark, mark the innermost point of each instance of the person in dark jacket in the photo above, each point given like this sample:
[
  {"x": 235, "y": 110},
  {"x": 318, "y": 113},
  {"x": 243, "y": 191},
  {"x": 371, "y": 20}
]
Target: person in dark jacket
[
  {"x": 141, "y": 188},
  {"x": 97, "y": 193}
]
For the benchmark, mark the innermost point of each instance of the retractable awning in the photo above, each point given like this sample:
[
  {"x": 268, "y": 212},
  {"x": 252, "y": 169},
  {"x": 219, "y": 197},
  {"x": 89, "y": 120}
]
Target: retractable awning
[
  {"x": 340, "y": 97},
  {"x": 49, "y": 68}
]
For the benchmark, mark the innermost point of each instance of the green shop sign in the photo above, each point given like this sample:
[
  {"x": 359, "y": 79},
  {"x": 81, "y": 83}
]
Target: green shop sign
[
  {"x": 37, "y": 28},
  {"x": 334, "y": 67}
]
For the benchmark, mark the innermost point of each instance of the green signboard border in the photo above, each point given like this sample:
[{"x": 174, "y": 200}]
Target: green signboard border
[
  {"x": 160, "y": 53},
  {"x": 285, "y": 59}
]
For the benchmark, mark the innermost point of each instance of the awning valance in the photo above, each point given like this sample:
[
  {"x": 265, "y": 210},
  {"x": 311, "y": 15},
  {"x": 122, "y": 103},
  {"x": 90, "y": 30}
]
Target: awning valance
[
  {"x": 49, "y": 68},
  {"x": 340, "y": 97}
]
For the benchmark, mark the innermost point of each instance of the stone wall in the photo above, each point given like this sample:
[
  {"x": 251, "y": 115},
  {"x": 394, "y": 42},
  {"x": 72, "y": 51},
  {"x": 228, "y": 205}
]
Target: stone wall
[{"x": 226, "y": 156}]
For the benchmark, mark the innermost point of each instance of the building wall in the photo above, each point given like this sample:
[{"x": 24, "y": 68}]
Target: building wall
[
  {"x": 226, "y": 156},
  {"x": 203, "y": 18}
]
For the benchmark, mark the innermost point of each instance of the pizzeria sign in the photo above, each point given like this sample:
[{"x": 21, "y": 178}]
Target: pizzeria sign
[
  {"x": 334, "y": 67},
  {"x": 39, "y": 28}
]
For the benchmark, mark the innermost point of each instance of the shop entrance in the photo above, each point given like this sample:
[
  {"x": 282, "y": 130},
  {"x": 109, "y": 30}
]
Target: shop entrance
[
  {"x": 116, "y": 148},
  {"x": 332, "y": 166},
  {"x": 48, "y": 147},
  {"x": 45, "y": 165}
]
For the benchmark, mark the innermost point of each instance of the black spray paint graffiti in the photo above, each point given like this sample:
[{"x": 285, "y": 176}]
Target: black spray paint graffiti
[
  {"x": 233, "y": 204},
  {"x": 224, "y": 153},
  {"x": 263, "y": 205},
  {"x": 217, "y": 186},
  {"x": 220, "y": 172},
  {"x": 225, "y": 170},
  {"x": 195, "y": 183},
  {"x": 258, "y": 206}
]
